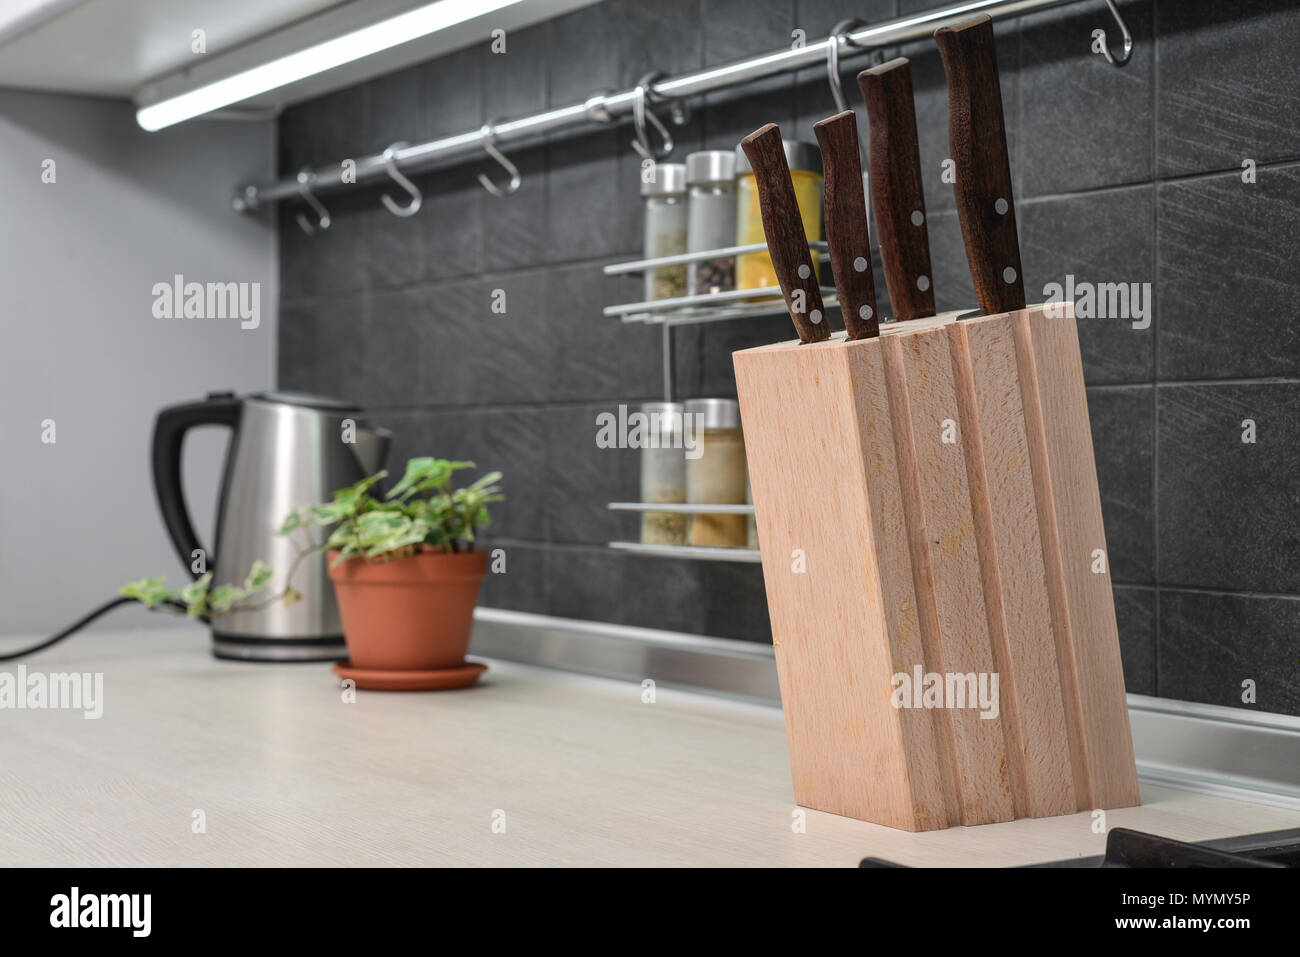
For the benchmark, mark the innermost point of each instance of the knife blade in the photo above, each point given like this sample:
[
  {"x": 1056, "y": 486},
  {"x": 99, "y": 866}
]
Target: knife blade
[
  {"x": 847, "y": 235},
  {"x": 898, "y": 198},
  {"x": 977, "y": 139},
  {"x": 787, "y": 243}
]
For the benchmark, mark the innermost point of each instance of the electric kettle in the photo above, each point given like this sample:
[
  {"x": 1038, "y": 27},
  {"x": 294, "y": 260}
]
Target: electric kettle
[{"x": 286, "y": 450}]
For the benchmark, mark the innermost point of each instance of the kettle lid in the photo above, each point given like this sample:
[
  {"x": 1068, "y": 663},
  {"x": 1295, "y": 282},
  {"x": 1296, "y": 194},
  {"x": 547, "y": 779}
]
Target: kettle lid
[{"x": 304, "y": 400}]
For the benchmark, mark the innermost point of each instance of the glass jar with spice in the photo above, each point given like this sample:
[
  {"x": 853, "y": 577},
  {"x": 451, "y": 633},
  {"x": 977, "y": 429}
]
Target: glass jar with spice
[
  {"x": 716, "y": 476},
  {"x": 663, "y": 473},
  {"x": 711, "y": 223},
  {"x": 664, "y": 191},
  {"x": 754, "y": 270}
]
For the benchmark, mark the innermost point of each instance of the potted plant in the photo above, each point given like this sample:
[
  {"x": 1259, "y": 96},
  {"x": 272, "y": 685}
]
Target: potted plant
[{"x": 405, "y": 569}]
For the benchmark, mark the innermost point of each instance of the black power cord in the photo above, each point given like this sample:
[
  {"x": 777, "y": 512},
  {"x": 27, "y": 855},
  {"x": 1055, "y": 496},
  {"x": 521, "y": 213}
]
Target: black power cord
[{"x": 79, "y": 624}]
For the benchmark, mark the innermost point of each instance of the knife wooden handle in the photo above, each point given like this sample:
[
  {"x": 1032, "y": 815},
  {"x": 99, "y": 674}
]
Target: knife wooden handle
[
  {"x": 978, "y": 141},
  {"x": 787, "y": 243},
  {"x": 846, "y": 224},
  {"x": 896, "y": 191}
]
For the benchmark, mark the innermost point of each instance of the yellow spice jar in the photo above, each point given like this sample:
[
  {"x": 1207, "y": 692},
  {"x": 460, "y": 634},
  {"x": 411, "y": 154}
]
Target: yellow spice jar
[
  {"x": 754, "y": 270},
  {"x": 715, "y": 471}
]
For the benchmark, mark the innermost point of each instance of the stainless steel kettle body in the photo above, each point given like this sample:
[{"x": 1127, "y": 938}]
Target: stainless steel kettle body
[{"x": 285, "y": 450}]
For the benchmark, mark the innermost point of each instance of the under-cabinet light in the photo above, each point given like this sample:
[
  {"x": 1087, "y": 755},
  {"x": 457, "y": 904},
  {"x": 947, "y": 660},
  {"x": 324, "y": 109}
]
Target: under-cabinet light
[{"x": 315, "y": 59}]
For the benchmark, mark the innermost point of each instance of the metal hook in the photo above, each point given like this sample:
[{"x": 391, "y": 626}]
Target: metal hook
[
  {"x": 417, "y": 198},
  {"x": 489, "y": 147},
  {"x": 641, "y": 113},
  {"x": 305, "y": 178},
  {"x": 1100, "y": 37},
  {"x": 840, "y": 33}
]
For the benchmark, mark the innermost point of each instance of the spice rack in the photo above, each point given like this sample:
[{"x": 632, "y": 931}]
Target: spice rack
[
  {"x": 707, "y": 307},
  {"x": 681, "y": 508},
  {"x": 698, "y": 552},
  {"x": 667, "y": 313}
]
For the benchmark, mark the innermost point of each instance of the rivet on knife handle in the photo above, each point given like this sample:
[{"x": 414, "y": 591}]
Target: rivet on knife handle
[
  {"x": 846, "y": 224},
  {"x": 898, "y": 198},
  {"x": 977, "y": 135},
  {"x": 787, "y": 243}
]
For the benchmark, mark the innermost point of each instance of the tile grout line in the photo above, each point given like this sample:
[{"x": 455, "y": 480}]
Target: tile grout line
[
  {"x": 540, "y": 544},
  {"x": 1224, "y": 592},
  {"x": 1193, "y": 383},
  {"x": 1155, "y": 180}
]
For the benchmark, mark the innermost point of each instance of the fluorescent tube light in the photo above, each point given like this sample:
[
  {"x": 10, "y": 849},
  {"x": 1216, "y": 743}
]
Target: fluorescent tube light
[{"x": 315, "y": 59}]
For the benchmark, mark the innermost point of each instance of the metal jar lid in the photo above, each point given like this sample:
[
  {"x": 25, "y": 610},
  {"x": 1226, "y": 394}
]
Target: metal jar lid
[
  {"x": 717, "y": 413},
  {"x": 666, "y": 179},
  {"x": 661, "y": 409},
  {"x": 710, "y": 166},
  {"x": 665, "y": 417},
  {"x": 798, "y": 155}
]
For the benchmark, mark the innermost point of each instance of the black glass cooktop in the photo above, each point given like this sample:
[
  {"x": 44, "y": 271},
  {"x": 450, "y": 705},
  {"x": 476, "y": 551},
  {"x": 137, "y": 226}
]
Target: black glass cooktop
[{"x": 1126, "y": 848}]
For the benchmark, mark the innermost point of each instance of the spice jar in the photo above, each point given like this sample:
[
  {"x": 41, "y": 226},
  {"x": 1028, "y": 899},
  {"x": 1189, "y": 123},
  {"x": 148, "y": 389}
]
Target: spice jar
[
  {"x": 754, "y": 270},
  {"x": 711, "y": 224},
  {"x": 716, "y": 473},
  {"x": 663, "y": 473},
  {"x": 665, "y": 228}
]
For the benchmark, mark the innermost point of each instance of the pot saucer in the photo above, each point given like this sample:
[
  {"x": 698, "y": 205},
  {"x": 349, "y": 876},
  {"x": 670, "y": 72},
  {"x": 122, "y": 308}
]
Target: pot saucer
[{"x": 442, "y": 679}]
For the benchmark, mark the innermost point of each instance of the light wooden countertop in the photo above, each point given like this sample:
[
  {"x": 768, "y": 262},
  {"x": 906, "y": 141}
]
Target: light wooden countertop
[{"x": 286, "y": 773}]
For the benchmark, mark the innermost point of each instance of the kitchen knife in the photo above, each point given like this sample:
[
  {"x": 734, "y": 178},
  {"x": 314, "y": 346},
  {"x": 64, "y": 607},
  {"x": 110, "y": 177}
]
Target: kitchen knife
[
  {"x": 977, "y": 135},
  {"x": 787, "y": 243},
  {"x": 846, "y": 224},
  {"x": 894, "y": 161}
]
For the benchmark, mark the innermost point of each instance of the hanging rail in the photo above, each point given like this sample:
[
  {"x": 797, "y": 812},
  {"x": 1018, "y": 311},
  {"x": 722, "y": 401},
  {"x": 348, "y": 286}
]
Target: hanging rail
[{"x": 604, "y": 107}]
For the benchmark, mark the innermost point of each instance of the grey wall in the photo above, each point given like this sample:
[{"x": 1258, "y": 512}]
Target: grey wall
[
  {"x": 1122, "y": 175},
  {"x": 79, "y": 258}
]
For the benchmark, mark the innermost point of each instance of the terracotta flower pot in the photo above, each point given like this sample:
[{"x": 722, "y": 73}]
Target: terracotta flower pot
[{"x": 410, "y": 613}]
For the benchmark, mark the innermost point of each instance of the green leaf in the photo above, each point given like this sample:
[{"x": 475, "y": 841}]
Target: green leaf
[
  {"x": 339, "y": 537},
  {"x": 195, "y": 595},
  {"x": 291, "y": 522},
  {"x": 328, "y": 513},
  {"x": 485, "y": 481},
  {"x": 358, "y": 491},
  {"x": 344, "y": 555},
  {"x": 418, "y": 470},
  {"x": 424, "y": 474},
  {"x": 150, "y": 592},
  {"x": 259, "y": 576},
  {"x": 221, "y": 598},
  {"x": 196, "y": 589}
]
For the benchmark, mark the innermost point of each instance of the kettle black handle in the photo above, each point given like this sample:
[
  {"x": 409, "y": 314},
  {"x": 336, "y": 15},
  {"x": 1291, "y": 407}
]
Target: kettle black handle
[{"x": 219, "y": 408}]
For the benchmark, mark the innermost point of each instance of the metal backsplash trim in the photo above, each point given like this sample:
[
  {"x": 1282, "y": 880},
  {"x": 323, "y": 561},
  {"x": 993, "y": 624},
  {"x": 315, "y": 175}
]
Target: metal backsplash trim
[
  {"x": 1229, "y": 752},
  {"x": 724, "y": 666}
]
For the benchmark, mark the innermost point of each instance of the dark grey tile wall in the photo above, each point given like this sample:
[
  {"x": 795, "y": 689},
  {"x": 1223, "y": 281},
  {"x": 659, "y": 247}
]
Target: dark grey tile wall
[{"x": 1130, "y": 175}]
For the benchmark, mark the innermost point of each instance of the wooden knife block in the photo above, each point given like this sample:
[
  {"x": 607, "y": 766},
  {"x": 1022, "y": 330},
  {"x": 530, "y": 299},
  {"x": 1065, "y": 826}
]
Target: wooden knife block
[{"x": 886, "y": 547}]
